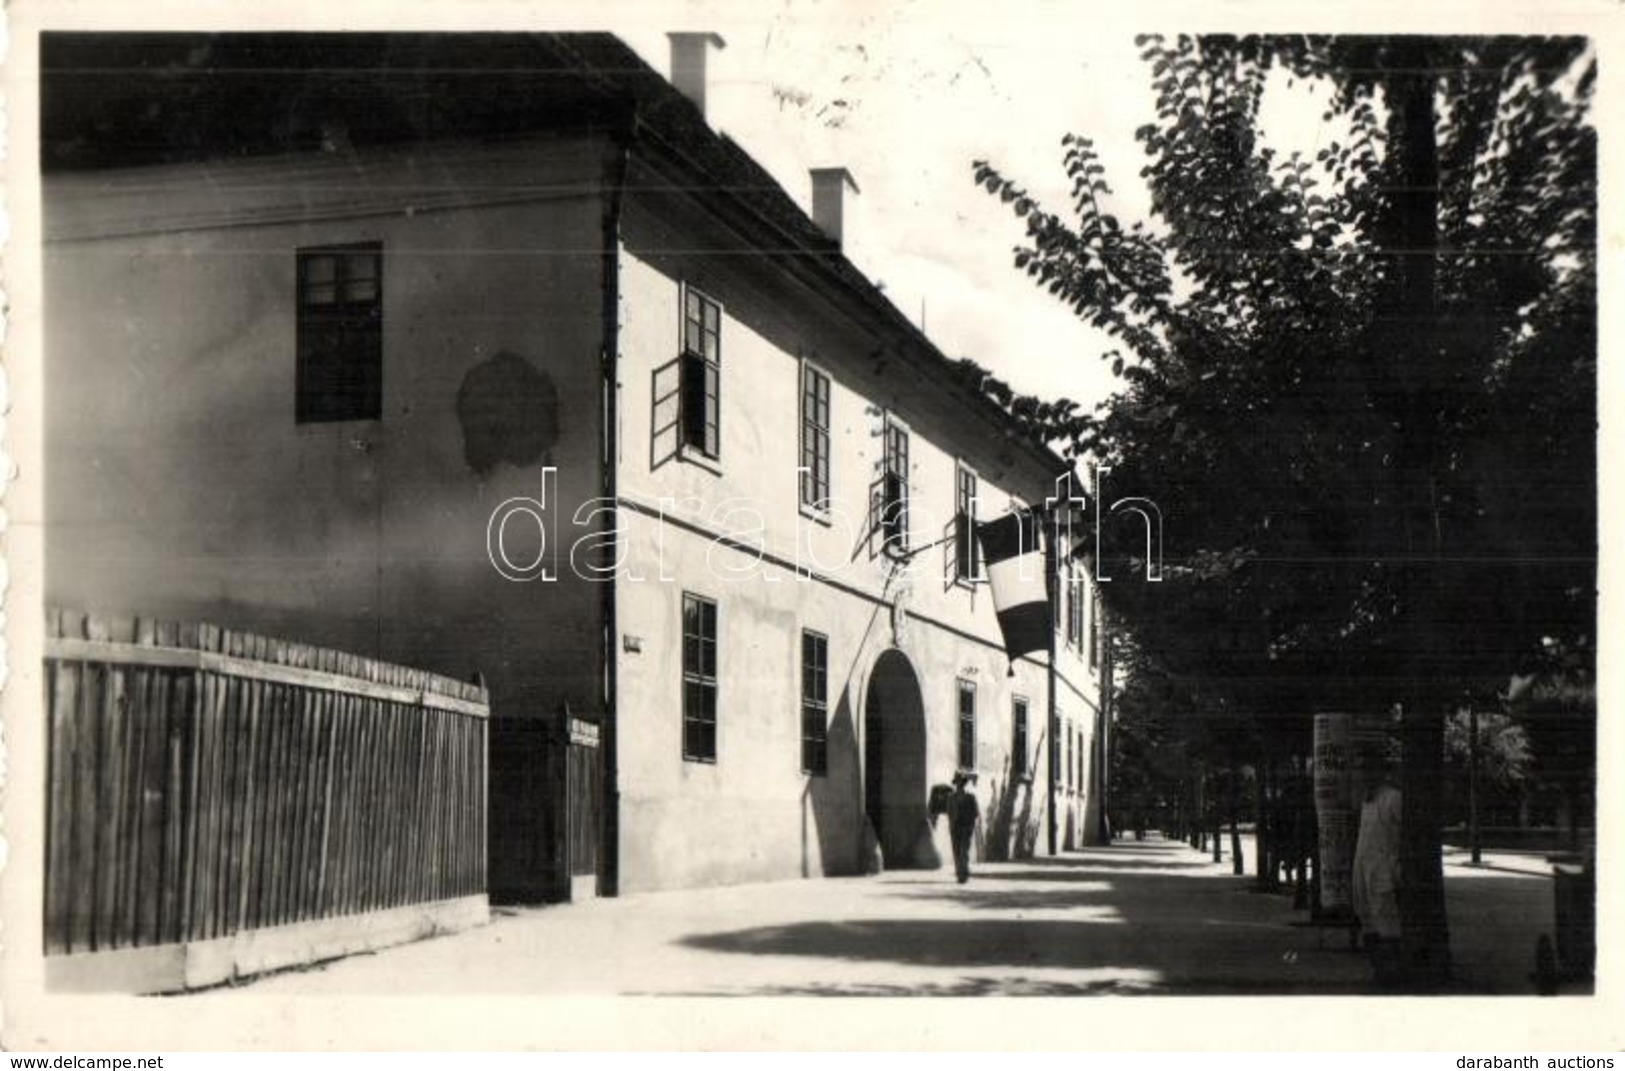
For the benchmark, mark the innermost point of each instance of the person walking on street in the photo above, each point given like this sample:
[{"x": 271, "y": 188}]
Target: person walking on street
[{"x": 963, "y": 814}]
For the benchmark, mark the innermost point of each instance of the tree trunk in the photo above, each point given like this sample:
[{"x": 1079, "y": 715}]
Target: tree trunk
[
  {"x": 1424, "y": 924},
  {"x": 1415, "y": 322},
  {"x": 1238, "y": 866},
  {"x": 1472, "y": 785},
  {"x": 1199, "y": 809},
  {"x": 1263, "y": 867}
]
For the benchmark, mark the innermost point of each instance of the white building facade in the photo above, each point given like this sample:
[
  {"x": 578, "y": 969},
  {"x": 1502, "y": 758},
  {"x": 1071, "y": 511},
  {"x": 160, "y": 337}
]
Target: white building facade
[{"x": 555, "y": 403}]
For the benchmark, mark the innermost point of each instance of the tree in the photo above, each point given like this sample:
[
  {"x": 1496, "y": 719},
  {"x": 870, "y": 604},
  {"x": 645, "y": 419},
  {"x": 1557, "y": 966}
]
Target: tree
[{"x": 1356, "y": 377}]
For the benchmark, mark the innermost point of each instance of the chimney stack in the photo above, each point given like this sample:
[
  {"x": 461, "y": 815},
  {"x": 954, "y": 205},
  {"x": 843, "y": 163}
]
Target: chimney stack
[
  {"x": 828, "y": 195},
  {"x": 688, "y": 63}
]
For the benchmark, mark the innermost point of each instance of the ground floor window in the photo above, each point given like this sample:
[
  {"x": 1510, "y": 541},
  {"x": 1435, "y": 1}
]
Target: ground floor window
[
  {"x": 699, "y": 679},
  {"x": 814, "y": 702},
  {"x": 1018, "y": 743},
  {"x": 1054, "y": 749},
  {"x": 967, "y": 724}
]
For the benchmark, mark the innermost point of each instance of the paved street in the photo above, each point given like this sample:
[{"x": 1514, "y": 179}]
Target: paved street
[{"x": 1151, "y": 917}]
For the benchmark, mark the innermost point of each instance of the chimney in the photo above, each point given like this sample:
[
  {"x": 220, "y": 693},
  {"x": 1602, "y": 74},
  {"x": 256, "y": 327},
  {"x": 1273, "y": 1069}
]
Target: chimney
[
  {"x": 828, "y": 193},
  {"x": 688, "y": 63}
]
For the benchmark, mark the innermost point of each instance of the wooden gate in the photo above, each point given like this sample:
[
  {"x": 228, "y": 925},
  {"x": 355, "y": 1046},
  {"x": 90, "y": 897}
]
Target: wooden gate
[{"x": 584, "y": 794}]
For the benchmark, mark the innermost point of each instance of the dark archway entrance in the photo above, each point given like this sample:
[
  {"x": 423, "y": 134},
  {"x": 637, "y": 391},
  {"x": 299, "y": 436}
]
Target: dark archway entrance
[{"x": 894, "y": 788}]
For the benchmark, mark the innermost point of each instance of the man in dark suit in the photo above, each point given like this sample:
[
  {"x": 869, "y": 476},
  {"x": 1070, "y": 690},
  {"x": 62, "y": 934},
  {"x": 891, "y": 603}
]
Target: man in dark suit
[{"x": 963, "y": 814}]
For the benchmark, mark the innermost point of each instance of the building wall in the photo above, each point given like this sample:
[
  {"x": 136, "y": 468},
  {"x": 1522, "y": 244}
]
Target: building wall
[
  {"x": 734, "y": 532},
  {"x": 179, "y": 484}
]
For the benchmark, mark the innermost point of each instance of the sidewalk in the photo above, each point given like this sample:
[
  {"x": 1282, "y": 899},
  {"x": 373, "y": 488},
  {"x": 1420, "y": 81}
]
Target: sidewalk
[{"x": 1149, "y": 917}]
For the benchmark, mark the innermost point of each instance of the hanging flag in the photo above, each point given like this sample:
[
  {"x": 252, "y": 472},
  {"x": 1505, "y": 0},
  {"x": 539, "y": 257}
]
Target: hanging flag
[{"x": 1014, "y": 557}]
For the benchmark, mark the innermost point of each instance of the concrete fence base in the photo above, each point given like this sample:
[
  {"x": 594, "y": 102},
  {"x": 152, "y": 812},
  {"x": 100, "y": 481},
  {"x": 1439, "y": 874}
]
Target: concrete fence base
[{"x": 196, "y": 964}]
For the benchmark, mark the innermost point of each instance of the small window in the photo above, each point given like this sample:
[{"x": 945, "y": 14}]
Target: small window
[
  {"x": 1068, "y": 758},
  {"x": 1018, "y": 741},
  {"x": 1055, "y": 749},
  {"x": 699, "y": 679},
  {"x": 340, "y": 338},
  {"x": 894, "y": 489},
  {"x": 1074, "y": 617},
  {"x": 814, "y": 703},
  {"x": 701, "y": 389},
  {"x": 967, "y": 724},
  {"x": 1080, "y": 761},
  {"x": 814, "y": 438},
  {"x": 1094, "y": 633},
  {"x": 967, "y": 551}
]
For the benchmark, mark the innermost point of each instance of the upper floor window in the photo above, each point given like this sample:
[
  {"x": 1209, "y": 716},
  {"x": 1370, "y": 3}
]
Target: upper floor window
[
  {"x": 699, "y": 678},
  {"x": 701, "y": 389},
  {"x": 814, "y": 702},
  {"x": 1018, "y": 742},
  {"x": 814, "y": 438},
  {"x": 1094, "y": 634},
  {"x": 967, "y": 724},
  {"x": 1074, "y": 618},
  {"x": 967, "y": 551},
  {"x": 340, "y": 334},
  {"x": 894, "y": 488}
]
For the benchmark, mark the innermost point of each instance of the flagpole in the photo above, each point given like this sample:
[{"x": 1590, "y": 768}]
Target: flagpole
[{"x": 1054, "y": 584}]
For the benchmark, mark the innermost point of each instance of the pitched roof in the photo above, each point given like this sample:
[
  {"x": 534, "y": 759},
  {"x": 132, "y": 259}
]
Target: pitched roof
[{"x": 113, "y": 100}]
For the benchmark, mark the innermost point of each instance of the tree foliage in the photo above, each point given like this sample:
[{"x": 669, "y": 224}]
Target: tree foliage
[
  {"x": 1359, "y": 380},
  {"x": 1304, "y": 454}
]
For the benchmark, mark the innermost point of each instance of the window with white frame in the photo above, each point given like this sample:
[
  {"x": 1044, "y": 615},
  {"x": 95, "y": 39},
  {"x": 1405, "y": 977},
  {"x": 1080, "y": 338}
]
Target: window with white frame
[
  {"x": 967, "y": 724},
  {"x": 894, "y": 488},
  {"x": 967, "y": 551},
  {"x": 814, "y": 702},
  {"x": 699, "y": 678},
  {"x": 701, "y": 374},
  {"x": 1018, "y": 740},
  {"x": 1074, "y": 617},
  {"x": 814, "y": 438}
]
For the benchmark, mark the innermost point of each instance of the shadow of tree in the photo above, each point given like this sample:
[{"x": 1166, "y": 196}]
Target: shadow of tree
[
  {"x": 1009, "y": 899},
  {"x": 1054, "y": 873},
  {"x": 964, "y": 987},
  {"x": 924, "y": 942},
  {"x": 835, "y": 800}
]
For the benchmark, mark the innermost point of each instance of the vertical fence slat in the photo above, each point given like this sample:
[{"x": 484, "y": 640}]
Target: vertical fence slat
[
  {"x": 137, "y": 682},
  {"x": 179, "y": 793},
  {"x": 325, "y": 818},
  {"x": 154, "y": 735},
  {"x": 86, "y": 775},
  {"x": 276, "y": 858},
  {"x": 305, "y": 763},
  {"x": 62, "y": 680},
  {"x": 252, "y": 787},
  {"x": 343, "y": 792},
  {"x": 177, "y": 691}
]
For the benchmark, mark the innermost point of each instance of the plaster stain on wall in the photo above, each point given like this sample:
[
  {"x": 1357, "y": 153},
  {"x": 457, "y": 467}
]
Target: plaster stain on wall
[{"x": 509, "y": 412}]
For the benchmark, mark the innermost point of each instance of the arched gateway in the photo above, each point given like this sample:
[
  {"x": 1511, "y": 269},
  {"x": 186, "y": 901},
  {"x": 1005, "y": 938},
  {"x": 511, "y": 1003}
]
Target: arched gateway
[{"x": 894, "y": 777}]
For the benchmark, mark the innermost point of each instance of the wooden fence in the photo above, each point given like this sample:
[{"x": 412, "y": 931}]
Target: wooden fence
[{"x": 204, "y": 783}]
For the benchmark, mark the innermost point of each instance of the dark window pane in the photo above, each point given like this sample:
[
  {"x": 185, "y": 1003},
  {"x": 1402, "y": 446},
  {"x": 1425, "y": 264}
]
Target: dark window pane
[
  {"x": 693, "y": 400},
  {"x": 339, "y": 362},
  {"x": 1018, "y": 748}
]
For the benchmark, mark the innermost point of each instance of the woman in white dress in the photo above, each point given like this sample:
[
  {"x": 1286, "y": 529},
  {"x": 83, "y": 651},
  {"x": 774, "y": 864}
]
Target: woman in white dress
[{"x": 1376, "y": 868}]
